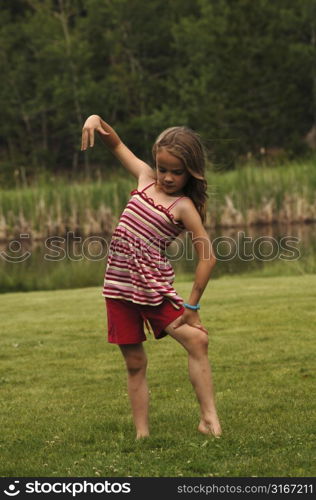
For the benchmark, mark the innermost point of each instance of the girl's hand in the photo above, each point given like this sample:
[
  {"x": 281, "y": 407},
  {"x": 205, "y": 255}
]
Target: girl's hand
[
  {"x": 191, "y": 318},
  {"x": 92, "y": 124}
]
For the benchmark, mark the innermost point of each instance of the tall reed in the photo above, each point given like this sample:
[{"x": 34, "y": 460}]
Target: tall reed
[
  {"x": 246, "y": 196},
  {"x": 253, "y": 195},
  {"x": 54, "y": 209}
]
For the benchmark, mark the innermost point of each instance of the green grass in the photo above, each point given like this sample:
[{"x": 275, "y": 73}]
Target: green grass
[{"x": 64, "y": 407}]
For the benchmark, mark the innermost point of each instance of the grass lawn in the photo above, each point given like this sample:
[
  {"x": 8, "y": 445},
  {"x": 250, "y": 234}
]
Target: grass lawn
[{"x": 64, "y": 407}]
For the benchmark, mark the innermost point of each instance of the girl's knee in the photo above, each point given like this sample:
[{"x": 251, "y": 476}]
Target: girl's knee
[
  {"x": 136, "y": 363},
  {"x": 199, "y": 341}
]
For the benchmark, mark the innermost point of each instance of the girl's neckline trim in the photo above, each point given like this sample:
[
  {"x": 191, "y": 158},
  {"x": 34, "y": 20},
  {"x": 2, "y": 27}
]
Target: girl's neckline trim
[{"x": 143, "y": 195}]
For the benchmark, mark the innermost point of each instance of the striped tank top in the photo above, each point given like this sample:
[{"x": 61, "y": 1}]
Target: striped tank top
[{"x": 137, "y": 268}]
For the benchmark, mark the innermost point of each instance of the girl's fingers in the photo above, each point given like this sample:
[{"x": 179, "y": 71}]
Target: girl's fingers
[
  {"x": 181, "y": 321},
  {"x": 88, "y": 137},
  {"x": 178, "y": 322},
  {"x": 201, "y": 327},
  {"x": 91, "y": 133}
]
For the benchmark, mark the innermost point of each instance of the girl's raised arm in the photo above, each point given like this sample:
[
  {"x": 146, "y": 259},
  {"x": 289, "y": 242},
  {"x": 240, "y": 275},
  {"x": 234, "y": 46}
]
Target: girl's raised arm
[{"x": 110, "y": 138}]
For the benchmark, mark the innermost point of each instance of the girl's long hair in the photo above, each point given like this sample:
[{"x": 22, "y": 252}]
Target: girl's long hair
[{"x": 186, "y": 145}]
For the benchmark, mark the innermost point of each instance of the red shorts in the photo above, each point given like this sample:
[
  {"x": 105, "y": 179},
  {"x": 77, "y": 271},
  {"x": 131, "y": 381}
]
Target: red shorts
[{"x": 126, "y": 320}]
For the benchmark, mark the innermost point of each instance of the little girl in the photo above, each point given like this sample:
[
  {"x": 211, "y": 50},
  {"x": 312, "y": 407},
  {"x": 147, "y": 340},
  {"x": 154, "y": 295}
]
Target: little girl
[{"x": 169, "y": 199}]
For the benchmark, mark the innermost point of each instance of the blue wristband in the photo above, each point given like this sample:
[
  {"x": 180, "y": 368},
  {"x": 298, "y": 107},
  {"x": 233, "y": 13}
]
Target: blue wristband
[{"x": 194, "y": 308}]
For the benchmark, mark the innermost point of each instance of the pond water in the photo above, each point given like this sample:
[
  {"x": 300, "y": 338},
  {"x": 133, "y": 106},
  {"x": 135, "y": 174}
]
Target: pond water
[{"x": 73, "y": 262}]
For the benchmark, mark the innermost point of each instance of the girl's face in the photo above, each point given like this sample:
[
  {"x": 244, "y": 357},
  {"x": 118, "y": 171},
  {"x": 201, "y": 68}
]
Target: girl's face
[{"x": 172, "y": 175}]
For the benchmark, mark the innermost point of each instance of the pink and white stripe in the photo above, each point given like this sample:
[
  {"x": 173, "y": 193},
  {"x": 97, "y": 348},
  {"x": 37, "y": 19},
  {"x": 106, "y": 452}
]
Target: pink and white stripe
[{"x": 137, "y": 268}]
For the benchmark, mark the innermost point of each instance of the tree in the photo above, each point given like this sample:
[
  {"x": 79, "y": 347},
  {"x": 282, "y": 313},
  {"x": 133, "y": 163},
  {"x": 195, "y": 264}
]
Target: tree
[
  {"x": 241, "y": 73},
  {"x": 248, "y": 78}
]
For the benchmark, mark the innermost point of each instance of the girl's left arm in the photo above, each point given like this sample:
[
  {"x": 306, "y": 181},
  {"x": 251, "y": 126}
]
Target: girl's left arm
[{"x": 203, "y": 247}]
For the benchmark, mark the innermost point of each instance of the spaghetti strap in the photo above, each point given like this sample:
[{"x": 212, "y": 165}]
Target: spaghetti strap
[
  {"x": 148, "y": 186},
  {"x": 173, "y": 204}
]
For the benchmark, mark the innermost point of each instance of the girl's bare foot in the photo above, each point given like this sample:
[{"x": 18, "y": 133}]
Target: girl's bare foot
[
  {"x": 142, "y": 434},
  {"x": 210, "y": 426}
]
